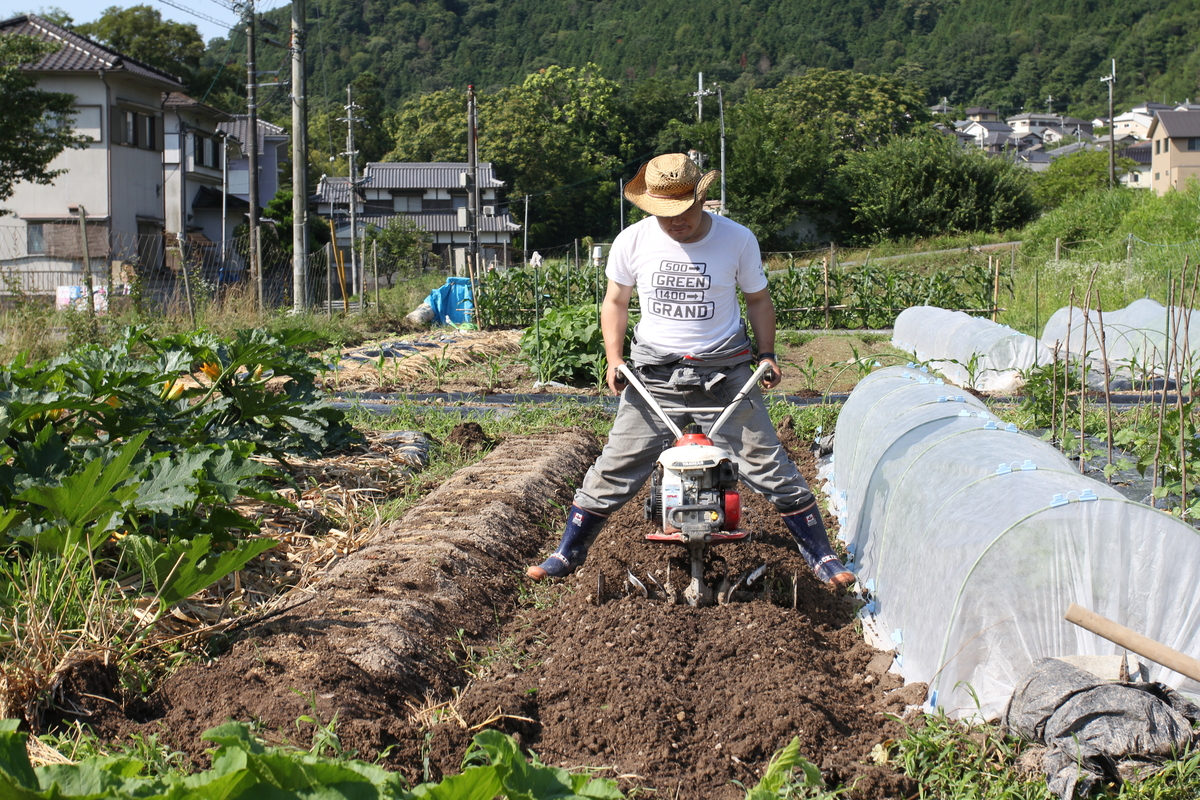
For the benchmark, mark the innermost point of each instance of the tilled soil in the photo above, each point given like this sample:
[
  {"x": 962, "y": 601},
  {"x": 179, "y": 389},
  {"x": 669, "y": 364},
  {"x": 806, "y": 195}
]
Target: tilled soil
[
  {"x": 687, "y": 700},
  {"x": 681, "y": 700}
]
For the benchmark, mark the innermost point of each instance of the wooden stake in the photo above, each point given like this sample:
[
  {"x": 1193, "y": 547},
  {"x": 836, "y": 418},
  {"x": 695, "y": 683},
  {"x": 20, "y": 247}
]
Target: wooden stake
[{"x": 995, "y": 263}]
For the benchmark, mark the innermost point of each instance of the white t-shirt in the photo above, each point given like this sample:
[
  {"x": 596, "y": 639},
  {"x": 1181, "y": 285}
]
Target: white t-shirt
[{"x": 687, "y": 292}]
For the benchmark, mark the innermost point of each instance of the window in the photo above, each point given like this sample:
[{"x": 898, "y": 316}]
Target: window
[
  {"x": 1156, "y": 176},
  {"x": 378, "y": 207},
  {"x": 1193, "y": 144},
  {"x": 35, "y": 239},
  {"x": 1156, "y": 147},
  {"x": 130, "y": 118},
  {"x": 408, "y": 204}
]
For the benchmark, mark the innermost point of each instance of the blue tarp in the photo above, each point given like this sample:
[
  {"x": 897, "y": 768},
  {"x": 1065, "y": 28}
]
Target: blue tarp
[{"x": 452, "y": 302}]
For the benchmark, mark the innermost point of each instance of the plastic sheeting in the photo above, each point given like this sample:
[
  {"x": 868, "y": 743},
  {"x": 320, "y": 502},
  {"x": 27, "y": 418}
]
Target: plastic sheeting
[
  {"x": 970, "y": 352},
  {"x": 1135, "y": 337},
  {"x": 452, "y": 302},
  {"x": 1096, "y": 730},
  {"x": 973, "y": 538}
]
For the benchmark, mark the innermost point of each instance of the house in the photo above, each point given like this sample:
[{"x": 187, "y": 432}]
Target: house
[
  {"x": 1032, "y": 122},
  {"x": 195, "y": 183},
  {"x": 429, "y": 194},
  {"x": 1137, "y": 177},
  {"x": 1054, "y": 134},
  {"x": 116, "y": 178},
  {"x": 981, "y": 114},
  {"x": 941, "y": 109},
  {"x": 1138, "y": 119},
  {"x": 991, "y": 137},
  {"x": 272, "y": 143},
  {"x": 1176, "y": 157}
]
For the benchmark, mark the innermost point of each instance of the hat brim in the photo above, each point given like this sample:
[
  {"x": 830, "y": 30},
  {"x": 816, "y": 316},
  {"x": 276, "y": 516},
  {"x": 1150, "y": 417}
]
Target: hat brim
[{"x": 635, "y": 192}]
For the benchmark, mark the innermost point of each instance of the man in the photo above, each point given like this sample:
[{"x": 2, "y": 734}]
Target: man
[{"x": 690, "y": 349}]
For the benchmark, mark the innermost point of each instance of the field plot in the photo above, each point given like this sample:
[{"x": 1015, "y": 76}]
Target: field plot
[{"x": 429, "y": 634}]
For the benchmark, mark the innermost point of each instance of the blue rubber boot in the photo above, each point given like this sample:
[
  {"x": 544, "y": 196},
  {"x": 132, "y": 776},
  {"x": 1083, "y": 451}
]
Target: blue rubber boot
[
  {"x": 582, "y": 527},
  {"x": 808, "y": 530}
]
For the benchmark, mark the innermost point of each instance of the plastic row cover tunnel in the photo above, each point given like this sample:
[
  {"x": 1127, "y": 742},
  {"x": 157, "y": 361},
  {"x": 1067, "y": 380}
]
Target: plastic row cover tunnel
[
  {"x": 1136, "y": 338},
  {"x": 973, "y": 539},
  {"x": 969, "y": 351}
]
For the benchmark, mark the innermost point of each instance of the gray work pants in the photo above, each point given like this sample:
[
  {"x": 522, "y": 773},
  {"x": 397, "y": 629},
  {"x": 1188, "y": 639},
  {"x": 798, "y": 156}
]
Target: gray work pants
[{"x": 638, "y": 437}]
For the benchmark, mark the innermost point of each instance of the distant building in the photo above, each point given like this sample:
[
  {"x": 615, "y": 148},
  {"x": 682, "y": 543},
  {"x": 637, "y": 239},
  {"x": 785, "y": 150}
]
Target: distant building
[
  {"x": 1138, "y": 119},
  {"x": 1037, "y": 123},
  {"x": 117, "y": 177},
  {"x": 981, "y": 114},
  {"x": 430, "y": 195},
  {"x": 272, "y": 143},
  {"x": 1138, "y": 177},
  {"x": 1176, "y": 157},
  {"x": 193, "y": 190},
  {"x": 991, "y": 137}
]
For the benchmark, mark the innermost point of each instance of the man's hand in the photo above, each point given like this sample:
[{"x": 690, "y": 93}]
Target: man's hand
[
  {"x": 771, "y": 379},
  {"x": 616, "y": 380}
]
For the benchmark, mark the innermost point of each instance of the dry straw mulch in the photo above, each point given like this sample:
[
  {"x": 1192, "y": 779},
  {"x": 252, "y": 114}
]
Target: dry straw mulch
[{"x": 391, "y": 363}]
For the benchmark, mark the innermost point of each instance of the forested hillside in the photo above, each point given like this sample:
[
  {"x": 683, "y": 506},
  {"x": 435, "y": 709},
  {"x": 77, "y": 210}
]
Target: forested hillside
[{"x": 1010, "y": 55}]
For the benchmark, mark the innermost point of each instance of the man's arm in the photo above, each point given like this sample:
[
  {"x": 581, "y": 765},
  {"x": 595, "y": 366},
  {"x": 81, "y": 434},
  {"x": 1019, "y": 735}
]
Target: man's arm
[
  {"x": 614, "y": 319},
  {"x": 760, "y": 311}
]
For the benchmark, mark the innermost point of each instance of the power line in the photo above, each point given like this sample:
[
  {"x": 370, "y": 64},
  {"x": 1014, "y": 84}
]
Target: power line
[{"x": 197, "y": 14}]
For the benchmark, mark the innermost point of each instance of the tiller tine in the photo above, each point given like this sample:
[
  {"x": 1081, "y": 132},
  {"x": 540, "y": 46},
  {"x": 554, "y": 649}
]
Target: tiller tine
[
  {"x": 697, "y": 593},
  {"x": 631, "y": 579}
]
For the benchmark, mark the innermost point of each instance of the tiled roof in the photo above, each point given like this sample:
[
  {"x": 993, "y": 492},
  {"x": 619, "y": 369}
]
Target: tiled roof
[
  {"x": 445, "y": 223},
  {"x": 332, "y": 189},
  {"x": 1177, "y": 124},
  {"x": 238, "y": 127},
  {"x": 1140, "y": 153},
  {"x": 181, "y": 100},
  {"x": 418, "y": 175},
  {"x": 80, "y": 54}
]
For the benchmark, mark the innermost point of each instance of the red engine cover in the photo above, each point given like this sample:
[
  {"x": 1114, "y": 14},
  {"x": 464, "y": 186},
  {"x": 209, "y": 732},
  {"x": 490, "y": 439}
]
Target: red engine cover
[
  {"x": 692, "y": 438},
  {"x": 733, "y": 510}
]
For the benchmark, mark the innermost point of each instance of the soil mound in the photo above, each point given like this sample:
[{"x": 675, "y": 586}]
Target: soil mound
[{"x": 370, "y": 641}]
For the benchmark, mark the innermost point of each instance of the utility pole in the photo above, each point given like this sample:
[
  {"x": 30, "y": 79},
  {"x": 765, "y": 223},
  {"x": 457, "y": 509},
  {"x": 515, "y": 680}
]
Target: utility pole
[
  {"x": 352, "y": 156},
  {"x": 700, "y": 94},
  {"x": 299, "y": 161},
  {"x": 721, "y": 111},
  {"x": 252, "y": 108},
  {"x": 1112, "y": 150},
  {"x": 472, "y": 181}
]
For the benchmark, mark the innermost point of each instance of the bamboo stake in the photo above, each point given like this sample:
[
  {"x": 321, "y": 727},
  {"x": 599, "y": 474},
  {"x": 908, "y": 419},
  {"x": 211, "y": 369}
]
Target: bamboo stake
[
  {"x": 1083, "y": 384},
  {"x": 825, "y": 264},
  {"x": 1108, "y": 426},
  {"x": 1185, "y": 317},
  {"x": 1162, "y": 408},
  {"x": 995, "y": 263},
  {"x": 1054, "y": 391},
  {"x": 1067, "y": 364}
]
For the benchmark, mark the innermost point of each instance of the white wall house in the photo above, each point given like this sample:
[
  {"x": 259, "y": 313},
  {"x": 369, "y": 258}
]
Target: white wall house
[
  {"x": 117, "y": 177},
  {"x": 194, "y": 174},
  {"x": 272, "y": 154}
]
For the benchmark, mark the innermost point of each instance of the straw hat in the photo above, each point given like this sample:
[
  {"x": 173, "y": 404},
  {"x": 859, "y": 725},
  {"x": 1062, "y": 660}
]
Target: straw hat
[{"x": 667, "y": 185}]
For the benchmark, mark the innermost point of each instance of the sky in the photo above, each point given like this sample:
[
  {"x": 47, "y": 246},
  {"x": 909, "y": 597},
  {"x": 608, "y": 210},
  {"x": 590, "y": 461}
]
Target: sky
[{"x": 89, "y": 10}]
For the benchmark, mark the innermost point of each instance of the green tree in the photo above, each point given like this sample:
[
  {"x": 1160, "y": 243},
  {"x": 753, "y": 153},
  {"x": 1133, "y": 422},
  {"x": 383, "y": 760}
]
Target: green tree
[
  {"x": 786, "y": 143},
  {"x": 35, "y": 125},
  {"x": 400, "y": 246},
  {"x": 928, "y": 185},
  {"x": 558, "y": 137},
  {"x": 142, "y": 33},
  {"x": 1072, "y": 175}
]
